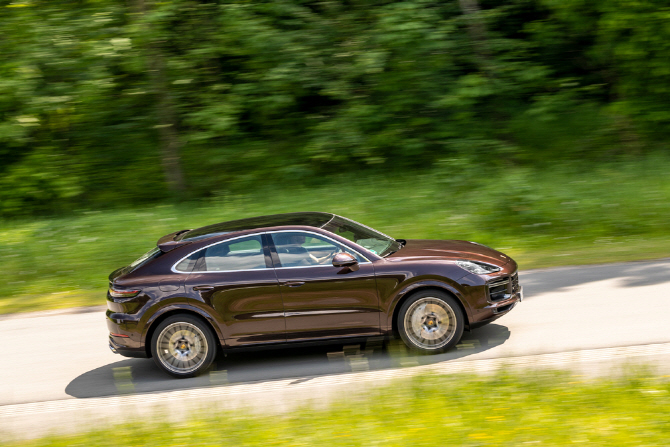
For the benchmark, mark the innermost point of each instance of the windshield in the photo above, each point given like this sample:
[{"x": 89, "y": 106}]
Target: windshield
[{"x": 378, "y": 243}]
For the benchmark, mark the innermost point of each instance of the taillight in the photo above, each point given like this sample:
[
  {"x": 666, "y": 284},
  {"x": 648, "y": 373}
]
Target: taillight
[{"x": 115, "y": 293}]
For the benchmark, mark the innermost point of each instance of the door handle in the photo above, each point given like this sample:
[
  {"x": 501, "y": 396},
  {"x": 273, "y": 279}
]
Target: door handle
[
  {"x": 294, "y": 283},
  {"x": 203, "y": 288}
]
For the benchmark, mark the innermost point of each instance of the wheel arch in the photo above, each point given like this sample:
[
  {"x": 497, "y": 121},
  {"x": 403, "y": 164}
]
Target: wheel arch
[
  {"x": 410, "y": 291},
  {"x": 175, "y": 310}
]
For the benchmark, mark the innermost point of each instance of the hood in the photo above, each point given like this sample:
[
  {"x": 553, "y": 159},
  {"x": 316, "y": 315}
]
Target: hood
[{"x": 452, "y": 250}]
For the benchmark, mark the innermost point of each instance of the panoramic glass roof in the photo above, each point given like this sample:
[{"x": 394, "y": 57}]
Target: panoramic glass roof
[{"x": 312, "y": 219}]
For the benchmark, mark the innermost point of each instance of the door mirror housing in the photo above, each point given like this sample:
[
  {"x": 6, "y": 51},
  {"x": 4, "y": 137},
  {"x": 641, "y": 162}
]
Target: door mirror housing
[{"x": 344, "y": 260}]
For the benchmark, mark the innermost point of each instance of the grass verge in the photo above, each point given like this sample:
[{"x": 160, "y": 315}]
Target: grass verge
[
  {"x": 562, "y": 215},
  {"x": 549, "y": 408}
]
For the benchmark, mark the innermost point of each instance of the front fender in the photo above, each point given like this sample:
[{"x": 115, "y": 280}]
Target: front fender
[{"x": 423, "y": 284}]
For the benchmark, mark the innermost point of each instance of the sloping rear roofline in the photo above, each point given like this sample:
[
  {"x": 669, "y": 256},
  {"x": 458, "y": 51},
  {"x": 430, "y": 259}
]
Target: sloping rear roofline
[{"x": 308, "y": 219}]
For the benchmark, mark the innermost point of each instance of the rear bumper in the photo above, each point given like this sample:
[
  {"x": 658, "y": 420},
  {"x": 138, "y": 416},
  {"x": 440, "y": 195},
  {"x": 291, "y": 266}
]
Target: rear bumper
[
  {"x": 125, "y": 351},
  {"x": 128, "y": 346}
]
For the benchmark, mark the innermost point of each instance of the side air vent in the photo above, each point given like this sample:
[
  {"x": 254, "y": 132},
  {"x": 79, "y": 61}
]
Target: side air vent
[{"x": 499, "y": 289}]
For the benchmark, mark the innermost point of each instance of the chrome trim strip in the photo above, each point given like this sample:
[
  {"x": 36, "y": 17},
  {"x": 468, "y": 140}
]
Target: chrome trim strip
[
  {"x": 319, "y": 312},
  {"x": 269, "y": 315},
  {"x": 223, "y": 271},
  {"x": 499, "y": 283}
]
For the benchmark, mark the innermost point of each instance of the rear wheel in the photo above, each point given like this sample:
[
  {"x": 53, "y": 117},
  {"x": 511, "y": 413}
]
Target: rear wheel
[
  {"x": 430, "y": 322},
  {"x": 183, "y": 346}
]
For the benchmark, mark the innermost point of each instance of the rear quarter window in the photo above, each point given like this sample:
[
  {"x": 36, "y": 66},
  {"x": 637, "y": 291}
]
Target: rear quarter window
[
  {"x": 146, "y": 257},
  {"x": 239, "y": 254}
]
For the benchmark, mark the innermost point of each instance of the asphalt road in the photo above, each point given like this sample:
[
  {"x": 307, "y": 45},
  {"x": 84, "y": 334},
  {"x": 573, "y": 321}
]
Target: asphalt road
[{"x": 60, "y": 358}]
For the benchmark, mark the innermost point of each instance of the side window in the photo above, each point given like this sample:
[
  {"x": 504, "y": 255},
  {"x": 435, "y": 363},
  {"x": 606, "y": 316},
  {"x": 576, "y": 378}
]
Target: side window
[
  {"x": 298, "y": 249},
  {"x": 239, "y": 254},
  {"x": 186, "y": 265}
]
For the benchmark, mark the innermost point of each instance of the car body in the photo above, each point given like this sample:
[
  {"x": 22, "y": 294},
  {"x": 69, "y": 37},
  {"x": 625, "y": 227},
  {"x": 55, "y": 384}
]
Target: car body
[{"x": 301, "y": 278}]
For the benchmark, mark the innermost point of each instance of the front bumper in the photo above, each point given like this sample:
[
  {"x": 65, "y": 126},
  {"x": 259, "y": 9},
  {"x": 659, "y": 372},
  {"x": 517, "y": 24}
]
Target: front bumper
[
  {"x": 504, "y": 306},
  {"x": 496, "y": 310}
]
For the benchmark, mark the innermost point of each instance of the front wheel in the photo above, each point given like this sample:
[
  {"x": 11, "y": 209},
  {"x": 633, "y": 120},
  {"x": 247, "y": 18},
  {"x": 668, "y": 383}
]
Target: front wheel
[
  {"x": 183, "y": 346},
  {"x": 430, "y": 322}
]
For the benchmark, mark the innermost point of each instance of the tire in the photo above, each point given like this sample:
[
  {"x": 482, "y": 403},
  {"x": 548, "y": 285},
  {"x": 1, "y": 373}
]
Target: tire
[
  {"x": 183, "y": 346},
  {"x": 430, "y": 322}
]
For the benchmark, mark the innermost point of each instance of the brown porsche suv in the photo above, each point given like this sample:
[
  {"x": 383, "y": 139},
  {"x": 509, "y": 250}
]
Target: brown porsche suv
[{"x": 300, "y": 278}]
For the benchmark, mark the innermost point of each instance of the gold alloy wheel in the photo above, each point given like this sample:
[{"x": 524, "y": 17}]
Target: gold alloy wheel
[
  {"x": 181, "y": 347},
  {"x": 430, "y": 323}
]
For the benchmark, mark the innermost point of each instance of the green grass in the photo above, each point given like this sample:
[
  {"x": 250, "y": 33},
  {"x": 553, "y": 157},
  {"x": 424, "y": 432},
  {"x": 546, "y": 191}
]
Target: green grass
[
  {"x": 561, "y": 215},
  {"x": 511, "y": 409}
]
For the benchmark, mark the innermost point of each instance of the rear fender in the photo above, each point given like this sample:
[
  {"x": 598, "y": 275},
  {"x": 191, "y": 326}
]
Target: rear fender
[{"x": 187, "y": 308}]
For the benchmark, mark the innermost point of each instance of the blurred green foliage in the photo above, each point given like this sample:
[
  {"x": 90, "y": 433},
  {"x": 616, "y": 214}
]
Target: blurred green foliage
[
  {"x": 111, "y": 103},
  {"x": 504, "y": 408},
  {"x": 565, "y": 214}
]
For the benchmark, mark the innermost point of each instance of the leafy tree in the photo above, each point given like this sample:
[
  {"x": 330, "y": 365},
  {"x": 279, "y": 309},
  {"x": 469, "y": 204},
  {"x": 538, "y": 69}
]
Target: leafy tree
[{"x": 108, "y": 102}]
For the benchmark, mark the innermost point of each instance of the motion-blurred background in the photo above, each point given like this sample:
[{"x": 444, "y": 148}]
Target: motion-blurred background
[{"x": 536, "y": 126}]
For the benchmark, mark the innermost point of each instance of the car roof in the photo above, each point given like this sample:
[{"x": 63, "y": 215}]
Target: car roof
[{"x": 309, "y": 219}]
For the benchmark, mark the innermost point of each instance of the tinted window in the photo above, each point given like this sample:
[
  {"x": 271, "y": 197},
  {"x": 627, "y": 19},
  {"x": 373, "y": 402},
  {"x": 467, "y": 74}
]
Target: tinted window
[
  {"x": 239, "y": 254},
  {"x": 378, "y": 243},
  {"x": 187, "y": 264},
  {"x": 299, "y": 249},
  {"x": 146, "y": 257}
]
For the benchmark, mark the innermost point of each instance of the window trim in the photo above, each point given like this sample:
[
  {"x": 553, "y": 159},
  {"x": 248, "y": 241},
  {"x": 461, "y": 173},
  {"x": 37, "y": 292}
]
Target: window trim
[
  {"x": 270, "y": 246},
  {"x": 273, "y": 249},
  {"x": 263, "y": 247}
]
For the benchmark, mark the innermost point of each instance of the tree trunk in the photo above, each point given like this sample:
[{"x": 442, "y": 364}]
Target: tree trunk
[
  {"x": 477, "y": 32},
  {"x": 165, "y": 110}
]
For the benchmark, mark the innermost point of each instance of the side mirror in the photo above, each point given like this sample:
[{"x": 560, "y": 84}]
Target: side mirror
[{"x": 344, "y": 260}]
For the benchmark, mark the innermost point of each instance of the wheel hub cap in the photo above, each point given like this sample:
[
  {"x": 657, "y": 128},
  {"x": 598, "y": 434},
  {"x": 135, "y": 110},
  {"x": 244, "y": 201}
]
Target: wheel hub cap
[
  {"x": 431, "y": 323},
  {"x": 182, "y": 346}
]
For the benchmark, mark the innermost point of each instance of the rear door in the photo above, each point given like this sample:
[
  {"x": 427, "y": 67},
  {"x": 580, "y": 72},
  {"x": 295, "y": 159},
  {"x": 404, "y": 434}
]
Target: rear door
[{"x": 236, "y": 278}]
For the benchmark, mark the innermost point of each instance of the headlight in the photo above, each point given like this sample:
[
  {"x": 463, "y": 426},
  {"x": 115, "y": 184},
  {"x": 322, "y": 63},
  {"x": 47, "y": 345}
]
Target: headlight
[{"x": 478, "y": 268}]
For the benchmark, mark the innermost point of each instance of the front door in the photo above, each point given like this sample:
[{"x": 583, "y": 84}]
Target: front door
[
  {"x": 235, "y": 277},
  {"x": 320, "y": 300}
]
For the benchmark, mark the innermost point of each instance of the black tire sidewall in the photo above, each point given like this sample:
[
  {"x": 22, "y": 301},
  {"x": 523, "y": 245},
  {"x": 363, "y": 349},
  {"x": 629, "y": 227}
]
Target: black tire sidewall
[
  {"x": 447, "y": 299},
  {"x": 212, "y": 345}
]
